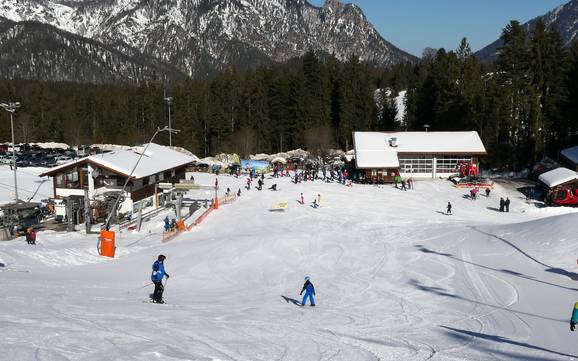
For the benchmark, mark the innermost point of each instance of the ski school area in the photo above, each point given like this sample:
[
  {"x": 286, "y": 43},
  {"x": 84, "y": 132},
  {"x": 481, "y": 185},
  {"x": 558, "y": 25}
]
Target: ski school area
[{"x": 395, "y": 277}]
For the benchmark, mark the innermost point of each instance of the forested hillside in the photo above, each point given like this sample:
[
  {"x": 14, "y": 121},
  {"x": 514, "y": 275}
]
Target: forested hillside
[{"x": 524, "y": 106}]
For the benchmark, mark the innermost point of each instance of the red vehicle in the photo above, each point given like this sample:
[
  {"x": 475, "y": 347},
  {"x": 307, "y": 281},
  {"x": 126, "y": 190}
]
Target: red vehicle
[
  {"x": 467, "y": 169},
  {"x": 566, "y": 197}
]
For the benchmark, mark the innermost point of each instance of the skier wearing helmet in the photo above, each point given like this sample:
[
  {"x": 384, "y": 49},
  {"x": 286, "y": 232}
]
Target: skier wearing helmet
[
  {"x": 309, "y": 292},
  {"x": 157, "y": 277}
]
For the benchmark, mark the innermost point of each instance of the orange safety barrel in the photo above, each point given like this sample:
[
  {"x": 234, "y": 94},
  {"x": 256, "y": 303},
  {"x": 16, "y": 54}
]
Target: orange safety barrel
[{"x": 106, "y": 245}]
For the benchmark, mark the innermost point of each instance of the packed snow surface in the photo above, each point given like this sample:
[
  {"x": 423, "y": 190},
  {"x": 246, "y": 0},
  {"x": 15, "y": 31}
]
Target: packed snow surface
[{"x": 396, "y": 279}]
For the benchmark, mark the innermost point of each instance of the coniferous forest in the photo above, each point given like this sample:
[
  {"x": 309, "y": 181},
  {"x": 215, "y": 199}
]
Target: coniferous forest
[{"x": 524, "y": 106}]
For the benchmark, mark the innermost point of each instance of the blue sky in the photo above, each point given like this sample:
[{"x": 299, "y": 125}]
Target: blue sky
[{"x": 413, "y": 25}]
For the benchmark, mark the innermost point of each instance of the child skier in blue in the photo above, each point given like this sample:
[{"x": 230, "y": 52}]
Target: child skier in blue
[
  {"x": 309, "y": 292},
  {"x": 157, "y": 277}
]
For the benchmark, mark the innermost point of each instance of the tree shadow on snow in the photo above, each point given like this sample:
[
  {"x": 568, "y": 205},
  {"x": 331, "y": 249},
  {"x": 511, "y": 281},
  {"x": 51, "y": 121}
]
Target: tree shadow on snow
[
  {"x": 291, "y": 300},
  {"x": 459, "y": 334},
  {"x": 445, "y": 293},
  {"x": 571, "y": 275},
  {"x": 506, "y": 271}
]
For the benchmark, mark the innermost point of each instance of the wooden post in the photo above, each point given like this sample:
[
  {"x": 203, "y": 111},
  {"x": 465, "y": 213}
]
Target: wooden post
[{"x": 156, "y": 198}]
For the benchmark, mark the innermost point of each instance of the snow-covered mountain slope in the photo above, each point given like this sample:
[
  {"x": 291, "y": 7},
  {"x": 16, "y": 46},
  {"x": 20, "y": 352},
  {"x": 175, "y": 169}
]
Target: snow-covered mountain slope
[
  {"x": 564, "y": 18},
  {"x": 200, "y": 36},
  {"x": 31, "y": 50},
  {"x": 396, "y": 279}
]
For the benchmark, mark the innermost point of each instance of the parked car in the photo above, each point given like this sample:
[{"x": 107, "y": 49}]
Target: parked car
[{"x": 63, "y": 159}]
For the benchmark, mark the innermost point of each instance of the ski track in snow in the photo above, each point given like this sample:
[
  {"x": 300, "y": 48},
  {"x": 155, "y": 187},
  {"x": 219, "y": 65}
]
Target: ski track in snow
[{"x": 395, "y": 280}]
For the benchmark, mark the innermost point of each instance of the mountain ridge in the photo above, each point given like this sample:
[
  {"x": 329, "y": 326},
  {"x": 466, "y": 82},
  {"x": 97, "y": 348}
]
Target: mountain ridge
[
  {"x": 564, "y": 18},
  {"x": 199, "y": 37}
]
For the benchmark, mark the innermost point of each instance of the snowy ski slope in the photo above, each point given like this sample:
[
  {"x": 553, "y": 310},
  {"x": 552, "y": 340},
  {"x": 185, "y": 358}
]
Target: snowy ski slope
[{"x": 396, "y": 279}]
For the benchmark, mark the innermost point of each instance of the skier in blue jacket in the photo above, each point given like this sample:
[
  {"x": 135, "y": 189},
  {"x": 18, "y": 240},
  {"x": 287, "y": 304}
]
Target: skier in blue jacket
[
  {"x": 157, "y": 277},
  {"x": 309, "y": 292}
]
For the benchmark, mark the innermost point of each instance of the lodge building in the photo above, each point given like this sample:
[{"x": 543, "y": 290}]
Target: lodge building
[
  {"x": 379, "y": 156},
  {"x": 108, "y": 172}
]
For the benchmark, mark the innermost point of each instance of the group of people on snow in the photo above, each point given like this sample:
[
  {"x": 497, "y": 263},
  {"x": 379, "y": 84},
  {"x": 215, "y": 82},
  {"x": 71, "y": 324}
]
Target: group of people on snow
[
  {"x": 504, "y": 204},
  {"x": 404, "y": 184}
]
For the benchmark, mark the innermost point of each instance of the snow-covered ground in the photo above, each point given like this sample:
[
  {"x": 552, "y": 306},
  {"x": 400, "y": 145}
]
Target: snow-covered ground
[{"x": 396, "y": 279}]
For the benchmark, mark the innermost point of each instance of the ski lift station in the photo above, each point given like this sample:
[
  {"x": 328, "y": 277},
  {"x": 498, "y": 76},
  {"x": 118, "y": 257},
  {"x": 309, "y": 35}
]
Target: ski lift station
[
  {"x": 101, "y": 174},
  {"x": 380, "y": 156}
]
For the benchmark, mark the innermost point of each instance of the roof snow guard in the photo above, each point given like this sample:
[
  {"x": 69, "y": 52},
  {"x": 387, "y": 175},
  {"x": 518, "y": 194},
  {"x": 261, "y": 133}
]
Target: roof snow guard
[
  {"x": 156, "y": 159},
  {"x": 557, "y": 177},
  {"x": 381, "y": 149}
]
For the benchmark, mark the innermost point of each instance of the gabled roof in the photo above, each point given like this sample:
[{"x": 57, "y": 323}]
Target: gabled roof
[
  {"x": 156, "y": 159},
  {"x": 571, "y": 154},
  {"x": 558, "y": 176},
  {"x": 377, "y": 150}
]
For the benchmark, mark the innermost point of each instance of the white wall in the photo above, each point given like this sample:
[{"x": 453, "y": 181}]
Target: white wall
[{"x": 65, "y": 192}]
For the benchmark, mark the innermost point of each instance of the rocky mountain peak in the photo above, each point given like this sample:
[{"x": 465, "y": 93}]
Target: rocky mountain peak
[{"x": 202, "y": 36}]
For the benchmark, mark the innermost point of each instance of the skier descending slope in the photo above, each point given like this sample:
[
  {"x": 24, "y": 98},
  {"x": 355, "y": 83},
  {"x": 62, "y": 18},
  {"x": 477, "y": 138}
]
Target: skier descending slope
[
  {"x": 574, "y": 318},
  {"x": 157, "y": 277},
  {"x": 309, "y": 292}
]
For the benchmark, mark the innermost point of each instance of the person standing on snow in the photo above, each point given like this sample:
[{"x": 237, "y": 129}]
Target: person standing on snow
[
  {"x": 502, "y": 204},
  {"x": 449, "y": 208},
  {"x": 157, "y": 277},
  {"x": 302, "y": 199},
  {"x": 30, "y": 236},
  {"x": 507, "y": 204},
  {"x": 309, "y": 292},
  {"x": 574, "y": 318},
  {"x": 488, "y": 192}
]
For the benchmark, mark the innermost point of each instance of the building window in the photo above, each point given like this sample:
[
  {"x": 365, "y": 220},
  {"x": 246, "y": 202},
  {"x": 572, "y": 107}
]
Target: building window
[
  {"x": 416, "y": 164},
  {"x": 70, "y": 180},
  {"x": 449, "y": 163},
  {"x": 145, "y": 181}
]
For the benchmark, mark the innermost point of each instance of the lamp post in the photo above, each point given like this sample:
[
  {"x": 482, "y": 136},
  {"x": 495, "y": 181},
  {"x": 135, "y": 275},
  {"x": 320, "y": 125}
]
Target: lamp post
[
  {"x": 11, "y": 108},
  {"x": 113, "y": 210},
  {"x": 169, "y": 101}
]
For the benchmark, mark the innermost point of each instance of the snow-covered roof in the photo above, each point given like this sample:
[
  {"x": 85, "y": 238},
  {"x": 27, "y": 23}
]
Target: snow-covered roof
[
  {"x": 372, "y": 151},
  {"x": 571, "y": 154},
  {"x": 558, "y": 176},
  {"x": 425, "y": 142},
  {"x": 380, "y": 149},
  {"x": 157, "y": 158}
]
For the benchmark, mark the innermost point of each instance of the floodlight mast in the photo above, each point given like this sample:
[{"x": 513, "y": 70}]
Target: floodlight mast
[
  {"x": 169, "y": 100},
  {"x": 114, "y": 207},
  {"x": 11, "y": 108}
]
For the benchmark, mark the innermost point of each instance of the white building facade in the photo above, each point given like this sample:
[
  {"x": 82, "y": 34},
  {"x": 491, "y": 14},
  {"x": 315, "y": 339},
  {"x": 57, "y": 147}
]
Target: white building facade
[{"x": 382, "y": 155}]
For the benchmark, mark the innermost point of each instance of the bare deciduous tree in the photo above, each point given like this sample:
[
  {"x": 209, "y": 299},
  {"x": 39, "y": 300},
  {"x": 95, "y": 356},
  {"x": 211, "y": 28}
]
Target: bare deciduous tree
[{"x": 319, "y": 140}]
